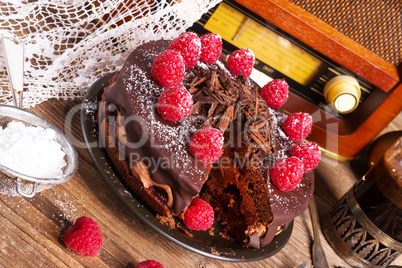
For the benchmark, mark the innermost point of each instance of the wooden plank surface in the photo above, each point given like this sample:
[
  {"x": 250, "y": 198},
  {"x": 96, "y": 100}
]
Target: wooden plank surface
[{"x": 31, "y": 229}]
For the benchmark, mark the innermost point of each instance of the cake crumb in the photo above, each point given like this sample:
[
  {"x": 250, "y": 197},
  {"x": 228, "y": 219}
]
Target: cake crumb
[
  {"x": 225, "y": 236},
  {"x": 167, "y": 220},
  {"x": 214, "y": 251},
  {"x": 211, "y": 231},
  {"x": 179, "y": 227}
]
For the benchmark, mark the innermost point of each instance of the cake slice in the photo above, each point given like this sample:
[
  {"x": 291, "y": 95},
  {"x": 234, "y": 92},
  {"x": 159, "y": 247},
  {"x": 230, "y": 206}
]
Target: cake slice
[{"x": 249, "y": 207}]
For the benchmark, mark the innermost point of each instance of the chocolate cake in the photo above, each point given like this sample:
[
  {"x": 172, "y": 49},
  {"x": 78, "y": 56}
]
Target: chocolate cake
[{"x": 152, "y": 156}]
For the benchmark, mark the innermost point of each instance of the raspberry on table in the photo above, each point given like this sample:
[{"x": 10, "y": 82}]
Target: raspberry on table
[
  {"x": 199, "y": 215},
  {"x": 189, "y": 46},
  {"x": 286, "y": 173},
  {"x": 297, "y": 126},
  {"x": 308, "y": 152},
  {"x": 211, "y": 47},
  {"x": 206, "y": 145},
  {"x": 275, "y": 93},
  {"x": 175, "y": 103},
  {"x": 149, "y": 264},
  {"x": 241, "y": 61},
  {"x": 168, "y": 68},
  {"x": 84, "y": 237}
]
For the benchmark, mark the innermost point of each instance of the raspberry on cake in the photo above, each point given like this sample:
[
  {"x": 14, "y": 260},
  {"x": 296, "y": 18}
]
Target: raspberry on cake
[
  {"x": 84, "y": 237},
  {"x": 168, "y": 68},
  {"x": 175, "y": 103},
  {"x": 206, "y": 145},
  {"x": 241, "y": 61},
  {"x": 309, "y": 153},
  {"x": 189, "y": 46},
  {"x": 211, "y": 47},
  {"x": 297, "y": 126},
  {"x": 286, "y": 173},
  {"x": 199, "y": 215},
  {"x": 275, "y": 93}
]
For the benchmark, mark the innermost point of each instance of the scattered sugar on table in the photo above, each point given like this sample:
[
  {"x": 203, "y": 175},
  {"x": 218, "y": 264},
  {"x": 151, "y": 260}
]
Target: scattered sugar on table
[{"x": 31, "y": 150}]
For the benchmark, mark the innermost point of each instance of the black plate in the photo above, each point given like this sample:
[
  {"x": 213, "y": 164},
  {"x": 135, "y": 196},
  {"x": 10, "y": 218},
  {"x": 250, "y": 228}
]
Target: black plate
[{"x": 201, "y": 242}]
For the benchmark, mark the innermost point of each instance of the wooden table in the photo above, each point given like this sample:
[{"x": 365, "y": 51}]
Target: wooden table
[{"x": 30, "y": 228}]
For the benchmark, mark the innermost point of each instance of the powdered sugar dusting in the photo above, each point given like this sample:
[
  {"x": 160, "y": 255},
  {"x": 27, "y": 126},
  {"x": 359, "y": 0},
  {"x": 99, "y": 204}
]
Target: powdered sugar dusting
[{"x": 170, "y": 139}]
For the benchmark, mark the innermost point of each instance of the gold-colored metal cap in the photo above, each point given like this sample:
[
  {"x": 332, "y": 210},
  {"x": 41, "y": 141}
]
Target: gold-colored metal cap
[{"x": 343, "y": 93}]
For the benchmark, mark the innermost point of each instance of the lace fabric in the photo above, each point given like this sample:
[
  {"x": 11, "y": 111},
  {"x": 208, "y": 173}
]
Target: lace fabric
[{"x": 69, "y": 44}]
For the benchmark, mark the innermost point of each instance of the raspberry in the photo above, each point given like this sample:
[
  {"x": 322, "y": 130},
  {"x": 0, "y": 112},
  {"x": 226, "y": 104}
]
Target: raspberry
[
  {"x": 168, "y": 68},
  {"x": 211, "y": 47},
  {"x": 189, "y": 46},
  {"x": 286, "y": 173},
  {"x": 199, "y": 215},
  {"x": 241, "y": 61},
  {"x": 175, "y": 103},
  {"x": 297, "y": 126},
  {"x": 84, "y": 237},
  {"x": 206, "y": 145},
  {"x": 149, "y": 264},
  {"x": 275, "y": 93},
  {"x": 308, "y": 152}
]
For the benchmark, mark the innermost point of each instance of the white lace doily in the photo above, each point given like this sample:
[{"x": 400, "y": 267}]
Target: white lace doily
[{"x": 69, "y": 44}]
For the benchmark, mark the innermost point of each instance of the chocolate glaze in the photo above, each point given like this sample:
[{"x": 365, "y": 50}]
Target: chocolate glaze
[
  {"x": 135, "y": 95},
  {"x": 286, "y": 205},
  {"x": 161, "y": 145}
]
